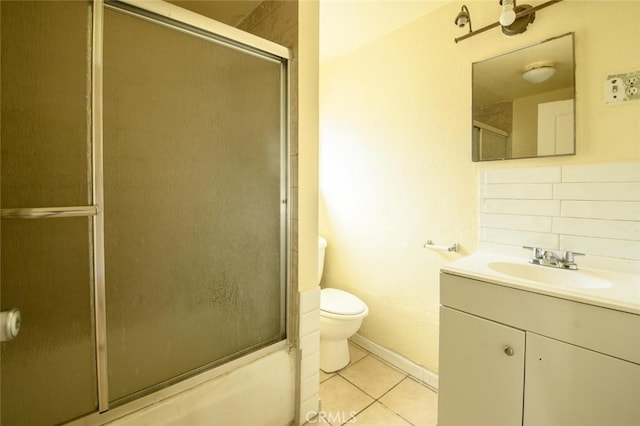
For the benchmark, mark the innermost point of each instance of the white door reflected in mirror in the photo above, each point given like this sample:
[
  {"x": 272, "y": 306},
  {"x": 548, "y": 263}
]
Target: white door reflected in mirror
[{"x": 555, "y": 128}]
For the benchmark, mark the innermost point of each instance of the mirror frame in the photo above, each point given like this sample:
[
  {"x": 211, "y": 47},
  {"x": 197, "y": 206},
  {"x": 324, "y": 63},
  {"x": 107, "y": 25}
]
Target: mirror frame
[{"x": 566, "y": 71}]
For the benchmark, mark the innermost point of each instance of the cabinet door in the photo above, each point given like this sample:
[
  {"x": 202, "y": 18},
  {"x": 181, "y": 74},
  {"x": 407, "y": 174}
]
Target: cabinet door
[
  {"x": 481, "y": 371},
  {"x": 567, "y": 385}
]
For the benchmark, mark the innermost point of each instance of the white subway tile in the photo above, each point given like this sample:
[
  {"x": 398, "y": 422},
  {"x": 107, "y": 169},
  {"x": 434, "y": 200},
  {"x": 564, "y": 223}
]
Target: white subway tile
[
  {"x": 482, "y": 176},
  {"x": 309, "y": 322},
  {"x": 593, "y": 208},
  {"x": 310, "y": 300},
  {"x": 309, "y": 409},
  {"x": 607, "y": 172},
  {"x": 310, "y": 387},
  {"x": 616, "y": 210},
  {"x": 505, "y": 250},
  {"x": 615, "y": 264},
  {"x": 527, "y": 207},
  {"x": 515, "y": 222},
  {"x": 310, "y": 343},
  {"x": 623, "y": 249},
  {"x": 523, "y": 175},
  {"x": 309, "y": 366},
  {"x": 617, "y": 229},
  {"x": 597, "y": 191},
  {"x": 520, "y": 238},
  {"x": 525, "y": 191}
]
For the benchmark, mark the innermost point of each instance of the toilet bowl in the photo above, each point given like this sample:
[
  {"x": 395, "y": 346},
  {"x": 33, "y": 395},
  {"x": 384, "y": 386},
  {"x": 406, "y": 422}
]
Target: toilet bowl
[{"x": 341, "y": 315}]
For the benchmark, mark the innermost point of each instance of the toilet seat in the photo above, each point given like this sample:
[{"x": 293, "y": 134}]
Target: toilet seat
[{"x": 340, "y": 303}]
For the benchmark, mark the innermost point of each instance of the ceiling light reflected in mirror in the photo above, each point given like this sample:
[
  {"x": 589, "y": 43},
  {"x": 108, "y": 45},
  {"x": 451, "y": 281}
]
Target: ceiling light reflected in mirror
[{"x": 538, "y": 73}]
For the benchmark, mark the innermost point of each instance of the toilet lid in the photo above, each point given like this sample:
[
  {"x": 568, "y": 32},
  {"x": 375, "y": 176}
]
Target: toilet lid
[{"x": 340, "y": 302}]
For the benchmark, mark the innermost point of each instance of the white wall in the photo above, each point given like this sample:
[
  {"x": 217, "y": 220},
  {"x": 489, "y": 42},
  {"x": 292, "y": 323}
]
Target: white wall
[{"x": 395, "y": 152}]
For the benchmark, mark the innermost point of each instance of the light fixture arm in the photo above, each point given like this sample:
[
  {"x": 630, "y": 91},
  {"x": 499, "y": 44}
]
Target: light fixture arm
[
  {"x": 469, "y": 15},
  {"x": 497, "y": 24}
]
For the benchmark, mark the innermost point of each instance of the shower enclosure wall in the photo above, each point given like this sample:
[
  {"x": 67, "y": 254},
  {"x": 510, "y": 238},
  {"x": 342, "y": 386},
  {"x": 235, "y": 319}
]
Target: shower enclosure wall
[{"x": 144, "y": 202}]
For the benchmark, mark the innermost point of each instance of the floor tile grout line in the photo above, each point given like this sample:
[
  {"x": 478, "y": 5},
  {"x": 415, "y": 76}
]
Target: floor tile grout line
[
  {"x": 374, "y": 399},
  {"x": 337, "y": 373},
  {"x": 386, "y": 362},
  {"x": 393, "y": 387},
  {"x": 378, "y": 401},
  {"x": 423, "y": 384},
  {"x": 393, "y": 411},
  {"x": 360, "y": 412},
  {"x": 355, "y": 362},
  {"x": 366, "y": 393},
  {"x": 414, "y": 378},
  {"x": 403, "y": 373}
]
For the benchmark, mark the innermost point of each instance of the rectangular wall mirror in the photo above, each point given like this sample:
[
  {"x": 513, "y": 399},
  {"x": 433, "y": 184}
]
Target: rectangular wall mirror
[{"x": 523, "y": 102}]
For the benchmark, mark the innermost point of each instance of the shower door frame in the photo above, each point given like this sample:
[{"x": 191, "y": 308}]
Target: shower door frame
[
  {"x": 189, "y": 22},
  {"x": 200, "y": 26}
]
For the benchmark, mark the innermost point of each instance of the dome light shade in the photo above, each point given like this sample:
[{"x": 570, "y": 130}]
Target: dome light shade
[{"x": 538, "y": 73}]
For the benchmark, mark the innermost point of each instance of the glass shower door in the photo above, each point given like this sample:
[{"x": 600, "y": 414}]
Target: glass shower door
[
  {"x": 193, "y": 202},
  {"x": 48, "y": 372},
  {"x": 182, "y": 265}
]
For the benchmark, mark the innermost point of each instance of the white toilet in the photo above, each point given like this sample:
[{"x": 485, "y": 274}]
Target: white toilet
[{"x": 341, "y": 315}]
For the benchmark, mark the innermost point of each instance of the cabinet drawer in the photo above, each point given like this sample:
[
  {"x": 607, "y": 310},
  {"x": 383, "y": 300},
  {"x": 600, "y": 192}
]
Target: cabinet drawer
[{"x": 600, "y": 329}]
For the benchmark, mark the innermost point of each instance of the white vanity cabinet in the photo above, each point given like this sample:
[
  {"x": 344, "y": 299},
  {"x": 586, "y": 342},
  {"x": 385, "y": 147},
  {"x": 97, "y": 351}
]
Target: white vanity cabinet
[
  {"x": 569, "y": 385},
  {"x": 481, "y": 371},
  {"x": 515, "y": 357}
]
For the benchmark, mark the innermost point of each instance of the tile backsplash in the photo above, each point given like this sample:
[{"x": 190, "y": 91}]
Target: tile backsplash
[{"x": 592, "y": 209}]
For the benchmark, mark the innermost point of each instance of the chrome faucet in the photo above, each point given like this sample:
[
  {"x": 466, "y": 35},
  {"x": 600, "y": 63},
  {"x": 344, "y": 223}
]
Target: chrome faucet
[{"x": 543, "y": 257}]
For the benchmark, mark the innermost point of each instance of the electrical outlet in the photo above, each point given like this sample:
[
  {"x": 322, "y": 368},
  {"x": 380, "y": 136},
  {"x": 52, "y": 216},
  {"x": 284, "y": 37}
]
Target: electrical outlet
[{"x": 622, "y": 88}]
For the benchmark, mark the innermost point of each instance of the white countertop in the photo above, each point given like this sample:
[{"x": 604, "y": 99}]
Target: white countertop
[{"x": 614, "y": 290}]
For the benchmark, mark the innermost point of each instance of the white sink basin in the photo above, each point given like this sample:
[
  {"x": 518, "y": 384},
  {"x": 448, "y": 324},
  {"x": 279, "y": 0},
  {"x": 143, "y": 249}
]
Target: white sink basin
[
  {"x": 609, "y": 289},
  {"x": 551, "y": 276}
]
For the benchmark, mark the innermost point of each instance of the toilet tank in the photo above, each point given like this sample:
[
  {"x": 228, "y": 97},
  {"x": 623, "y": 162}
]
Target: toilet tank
[{"x": 322, "y": 246}]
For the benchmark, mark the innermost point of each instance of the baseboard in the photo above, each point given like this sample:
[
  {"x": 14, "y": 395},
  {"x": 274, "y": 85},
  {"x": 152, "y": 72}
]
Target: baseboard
[{"x": 416, "y": 371}]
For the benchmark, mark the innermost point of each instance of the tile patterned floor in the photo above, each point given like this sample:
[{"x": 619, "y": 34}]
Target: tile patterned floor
[{"x": 370, "y": 392}]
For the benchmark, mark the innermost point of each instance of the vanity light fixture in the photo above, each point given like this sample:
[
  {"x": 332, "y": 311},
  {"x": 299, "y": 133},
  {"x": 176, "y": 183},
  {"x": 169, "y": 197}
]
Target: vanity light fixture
[
  {"x": 514, "y": 19},
  {"x": 508, "y": 15},
  {"x": 463, "y": 17},
  {"x": 538, "y": 72}
]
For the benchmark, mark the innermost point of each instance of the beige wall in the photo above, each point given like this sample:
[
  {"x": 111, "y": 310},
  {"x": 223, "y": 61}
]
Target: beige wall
[
  {"x": 395, "y": 152},
  {"x": 307, "y": 164}
]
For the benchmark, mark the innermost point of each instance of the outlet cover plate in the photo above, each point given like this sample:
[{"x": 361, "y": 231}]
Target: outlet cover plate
[{"x": 620, "y": 88}]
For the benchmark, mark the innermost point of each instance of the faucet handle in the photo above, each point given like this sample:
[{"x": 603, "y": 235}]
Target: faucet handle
[
  {"x": 536, "y": 253},
  {"x": 567, "y": 256}
]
